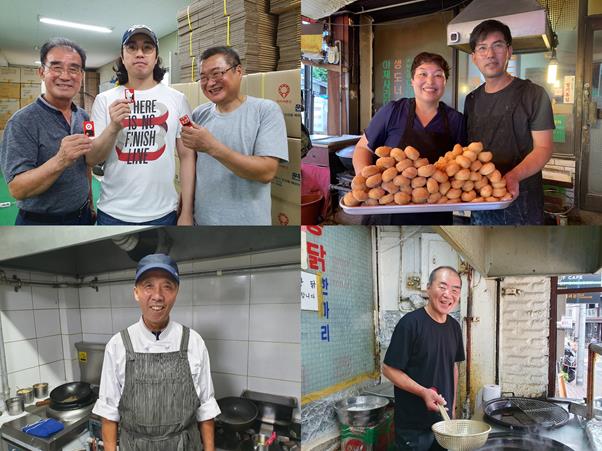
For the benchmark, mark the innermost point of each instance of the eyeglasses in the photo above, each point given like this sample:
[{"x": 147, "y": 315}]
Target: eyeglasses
[
  {"x": 216, "y": 75},
  {"x": 132, "y": 48},
  {"x": 497, "y": 47},
  {"x": 58, "y": 70}
]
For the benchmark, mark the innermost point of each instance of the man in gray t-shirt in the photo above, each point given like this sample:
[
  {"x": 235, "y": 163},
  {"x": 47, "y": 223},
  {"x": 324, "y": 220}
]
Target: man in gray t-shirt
[
  {"x": 239, "y": 141},
  {"x": 42, "y": 153}
]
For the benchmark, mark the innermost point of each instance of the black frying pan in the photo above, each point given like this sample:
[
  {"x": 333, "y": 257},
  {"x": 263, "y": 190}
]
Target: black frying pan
[
  {"x": 71, "y": 395},
  {"x": 238, "y": 414}
]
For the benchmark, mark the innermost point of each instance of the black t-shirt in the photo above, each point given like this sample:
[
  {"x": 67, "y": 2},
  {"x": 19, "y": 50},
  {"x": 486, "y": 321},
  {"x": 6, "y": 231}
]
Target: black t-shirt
[
  {"x": 426, "y": 351},
  {"x": 503, "y": 122}
]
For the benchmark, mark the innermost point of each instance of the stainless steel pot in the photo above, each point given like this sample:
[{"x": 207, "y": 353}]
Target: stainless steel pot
[
  {"x": 26, "y": 394},
  {"x": 15, "y": 405},
  {"x": 40, "y": 390},
  {"x": 361, "y": 410}
]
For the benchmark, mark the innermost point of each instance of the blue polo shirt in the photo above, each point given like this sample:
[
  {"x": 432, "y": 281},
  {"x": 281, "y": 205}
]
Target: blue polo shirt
[
  {"x": 388, "y": 125},
  {"x": 32, "y": 136}
]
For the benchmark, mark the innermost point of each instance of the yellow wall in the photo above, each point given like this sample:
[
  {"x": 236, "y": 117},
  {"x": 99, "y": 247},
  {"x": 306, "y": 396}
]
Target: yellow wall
[{"x": 594, "y": 7}]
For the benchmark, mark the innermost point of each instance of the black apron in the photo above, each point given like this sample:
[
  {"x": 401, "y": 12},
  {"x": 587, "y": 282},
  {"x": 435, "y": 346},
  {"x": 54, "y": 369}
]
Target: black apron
[
  {"x": 431, "y": 145},
  {"x": 496, "y": 130}
]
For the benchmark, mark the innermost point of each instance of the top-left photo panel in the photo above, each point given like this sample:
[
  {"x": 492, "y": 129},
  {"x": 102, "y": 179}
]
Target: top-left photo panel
[{"x": 166, "y": 113}]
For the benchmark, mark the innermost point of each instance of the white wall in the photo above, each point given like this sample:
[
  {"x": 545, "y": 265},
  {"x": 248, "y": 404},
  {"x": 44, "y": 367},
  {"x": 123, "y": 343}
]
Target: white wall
[{"x": 40, "y": 326}]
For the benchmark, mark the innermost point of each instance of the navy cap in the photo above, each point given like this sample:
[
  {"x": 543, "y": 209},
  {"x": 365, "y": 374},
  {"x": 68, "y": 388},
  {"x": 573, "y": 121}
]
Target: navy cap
[
  {"x": 139, "y": 29},
  {"x": 158, "y": 261}
]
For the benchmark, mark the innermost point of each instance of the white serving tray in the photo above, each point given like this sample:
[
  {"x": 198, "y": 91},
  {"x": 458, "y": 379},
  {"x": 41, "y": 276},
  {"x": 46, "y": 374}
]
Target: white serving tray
[{"x": 424, "y": 208}]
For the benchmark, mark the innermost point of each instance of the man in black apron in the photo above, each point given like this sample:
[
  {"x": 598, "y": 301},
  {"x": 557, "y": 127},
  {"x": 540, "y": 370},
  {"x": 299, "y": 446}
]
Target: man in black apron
[
  {"x": 396, "y": 125},
  {"x": 512, "y": 118},
  {"x": 156, "y": 382}
]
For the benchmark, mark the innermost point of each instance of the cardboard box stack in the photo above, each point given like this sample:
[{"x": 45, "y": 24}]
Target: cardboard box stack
[
  {"x": 288, "y": 37},
  {"x": 245, "y": 25},
  {"x": 88, "y": 91},
  {"x": 284, "y": 88},
  {"x": 19, "y": 86}
]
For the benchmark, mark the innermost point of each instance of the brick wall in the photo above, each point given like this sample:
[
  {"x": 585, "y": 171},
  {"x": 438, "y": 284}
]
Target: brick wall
[{"x": 524, "y": 321}]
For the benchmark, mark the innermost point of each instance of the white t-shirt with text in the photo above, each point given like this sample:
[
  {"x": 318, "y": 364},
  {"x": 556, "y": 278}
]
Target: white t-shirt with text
[{"x": 138, "y": 184}]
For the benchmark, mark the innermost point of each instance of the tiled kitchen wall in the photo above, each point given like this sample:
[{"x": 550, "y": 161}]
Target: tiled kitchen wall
[
  {"x": 250, "y": 323},
  {"x": 40, "y": 326}
]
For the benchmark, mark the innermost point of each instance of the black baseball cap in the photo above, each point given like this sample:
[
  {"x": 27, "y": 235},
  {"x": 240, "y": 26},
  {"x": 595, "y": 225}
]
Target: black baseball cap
[
  {"x": 158, "y": 261},
  {"x": 139, "y": 29}
]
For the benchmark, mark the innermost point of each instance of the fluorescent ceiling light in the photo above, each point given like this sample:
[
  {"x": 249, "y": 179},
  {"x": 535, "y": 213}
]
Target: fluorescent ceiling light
[{"x": 81, "y": 26}]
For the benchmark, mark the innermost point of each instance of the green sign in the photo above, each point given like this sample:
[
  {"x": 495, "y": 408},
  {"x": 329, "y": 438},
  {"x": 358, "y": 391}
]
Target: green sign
[{"x": 560, "y": 130}]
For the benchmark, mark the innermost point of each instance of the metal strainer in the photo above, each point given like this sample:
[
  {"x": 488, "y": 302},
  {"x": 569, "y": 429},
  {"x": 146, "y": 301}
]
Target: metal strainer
[{"x": 460, "y": 435}]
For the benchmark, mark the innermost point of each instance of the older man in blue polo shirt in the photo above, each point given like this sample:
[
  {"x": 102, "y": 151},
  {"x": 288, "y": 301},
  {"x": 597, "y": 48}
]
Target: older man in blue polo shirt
[{"x": 42, "y": 154}]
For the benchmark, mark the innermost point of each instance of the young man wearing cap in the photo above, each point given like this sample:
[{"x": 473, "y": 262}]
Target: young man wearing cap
[
  {"x": 239, "y": 140},
  {"x": 136, "y": 140},
  {"x": 42, "y": 153},
  {"x": 156, "y": 381}
]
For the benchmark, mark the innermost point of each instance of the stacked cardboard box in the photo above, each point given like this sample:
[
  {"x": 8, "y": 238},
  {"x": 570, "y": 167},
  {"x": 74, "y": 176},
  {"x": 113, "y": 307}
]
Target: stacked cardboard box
[
  {"x": 245, "y": 25},
  {"x": 88, "y": 91},
  {"x": 19, "y": 86},
  {"x": 288, "y": 38},
  {"x": 29, "y": 93},
  {"x": 284, "y": 88}
]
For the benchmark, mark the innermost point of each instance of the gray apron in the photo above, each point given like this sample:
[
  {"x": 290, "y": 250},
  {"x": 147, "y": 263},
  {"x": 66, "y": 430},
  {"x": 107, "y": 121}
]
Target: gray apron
[{"x": 159, "y": 401}]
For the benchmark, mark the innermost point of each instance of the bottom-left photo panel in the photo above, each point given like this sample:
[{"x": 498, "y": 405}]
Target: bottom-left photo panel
[{"x": 153, "y": 338}]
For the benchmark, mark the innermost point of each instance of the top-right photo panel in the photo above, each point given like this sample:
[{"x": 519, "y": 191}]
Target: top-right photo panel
[{"x": 435, "y": 112}]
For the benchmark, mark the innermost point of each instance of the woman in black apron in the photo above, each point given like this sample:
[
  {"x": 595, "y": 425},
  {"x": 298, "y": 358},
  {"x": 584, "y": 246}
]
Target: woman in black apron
[{"x": 395, "y": 126}]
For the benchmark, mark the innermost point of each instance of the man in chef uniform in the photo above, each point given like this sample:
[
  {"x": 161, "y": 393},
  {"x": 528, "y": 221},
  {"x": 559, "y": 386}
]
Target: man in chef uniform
[
  {"x": 156, "y": 381},
  {"x": 422, "y": 362}
]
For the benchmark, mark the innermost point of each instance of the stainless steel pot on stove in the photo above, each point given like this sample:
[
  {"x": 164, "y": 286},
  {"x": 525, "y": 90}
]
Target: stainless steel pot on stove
[
  {"x": 15, "y": 405},
  {"x": 40, "y": 390},
  {"x": 26, "y": 394},
  {"x": 361, "y": 410}
]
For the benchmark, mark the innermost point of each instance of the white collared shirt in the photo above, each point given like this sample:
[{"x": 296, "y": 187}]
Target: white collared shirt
[{"x": 143, "y": 340}]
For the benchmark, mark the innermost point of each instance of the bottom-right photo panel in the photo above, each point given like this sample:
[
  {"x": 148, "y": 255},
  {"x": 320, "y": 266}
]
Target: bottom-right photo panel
[{"x": 459, "y": 338}]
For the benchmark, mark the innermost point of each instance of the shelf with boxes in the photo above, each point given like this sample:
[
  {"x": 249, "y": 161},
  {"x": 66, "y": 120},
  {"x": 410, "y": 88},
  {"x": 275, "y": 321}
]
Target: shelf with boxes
[{"x": 19, "y": 86}]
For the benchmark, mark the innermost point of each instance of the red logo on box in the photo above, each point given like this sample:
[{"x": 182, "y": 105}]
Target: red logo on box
[
  {"x": 354, "y": 444},
  {"x": 282, "y": 219},
  {"x": 284, "y": 90}
]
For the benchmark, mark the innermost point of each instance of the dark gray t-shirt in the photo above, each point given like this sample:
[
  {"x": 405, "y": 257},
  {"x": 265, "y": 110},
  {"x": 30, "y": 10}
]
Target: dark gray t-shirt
[
  {"x": 33, "y": 135},
  {"x": 503, "y": 122},
  {"x": 222, "y": 198}
]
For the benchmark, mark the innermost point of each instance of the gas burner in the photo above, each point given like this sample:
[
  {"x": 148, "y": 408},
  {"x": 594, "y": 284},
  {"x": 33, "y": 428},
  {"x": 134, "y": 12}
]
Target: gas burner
[{"x": 69, "y": 416}]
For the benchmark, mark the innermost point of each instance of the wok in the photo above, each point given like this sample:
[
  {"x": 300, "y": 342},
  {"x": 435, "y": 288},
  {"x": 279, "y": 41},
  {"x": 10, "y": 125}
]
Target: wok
[
  {"x": 71, "y": 395},
  {"x": 346, "y": 156},
  {"x": 238, "y": 414}
]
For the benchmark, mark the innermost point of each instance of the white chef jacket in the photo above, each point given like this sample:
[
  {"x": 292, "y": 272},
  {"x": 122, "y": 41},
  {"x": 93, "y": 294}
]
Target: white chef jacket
[{"x": 143, "y": 340}]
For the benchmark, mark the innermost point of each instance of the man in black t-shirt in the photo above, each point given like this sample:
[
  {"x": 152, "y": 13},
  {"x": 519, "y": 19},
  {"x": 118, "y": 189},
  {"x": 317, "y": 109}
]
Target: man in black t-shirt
[
  {"x": 422, "y": 362},
  {"x": 513, "y": 119}
]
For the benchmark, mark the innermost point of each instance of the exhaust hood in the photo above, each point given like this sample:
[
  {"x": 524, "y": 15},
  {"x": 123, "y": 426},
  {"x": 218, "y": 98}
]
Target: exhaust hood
[{"x": 527, "y": 19}]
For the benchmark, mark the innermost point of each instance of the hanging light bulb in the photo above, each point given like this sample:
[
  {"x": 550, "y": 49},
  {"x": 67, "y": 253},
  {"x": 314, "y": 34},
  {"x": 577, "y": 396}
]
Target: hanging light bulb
[{"x": 553, "y": 68}]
